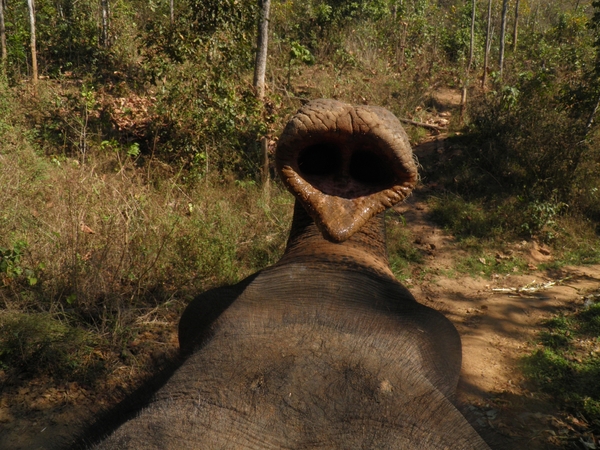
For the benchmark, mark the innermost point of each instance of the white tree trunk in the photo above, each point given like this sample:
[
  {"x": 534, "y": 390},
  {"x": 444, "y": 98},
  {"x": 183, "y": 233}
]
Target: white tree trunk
[
  {"x": 3, "y": 37},
  {"x": 516, "y": 27},
  {"x": 463, "y": 100},
  {"x": 472, "y": 47},
  {"x": 34, "y": 67},
  {"x": 172, "y": 11},
  {"x": 261, "y": 52},
  {"x": 502, "y": 37},
  {"x": 488, "y": 37},
  {"x": 104, "y": 32}
]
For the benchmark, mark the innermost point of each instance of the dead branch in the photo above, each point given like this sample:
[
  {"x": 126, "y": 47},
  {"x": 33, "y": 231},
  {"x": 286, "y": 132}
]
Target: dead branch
[
  {"x": 421, "y": 124},
  {"x": 531, "y": 287}
]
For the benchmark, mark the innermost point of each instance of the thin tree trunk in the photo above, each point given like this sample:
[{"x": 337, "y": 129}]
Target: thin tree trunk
[
  {"x": 516, "y": 27},
  {"x": 265, "y": 175},
  {"x": 535, "y": 17},
  {"x": 34, "y": 67},
  {"x": 487, "y": 44},
  {"x": 172, "y": 11},
  {"x": 104, "y": 32},
  {"x": 463, "y": 100},
  {"x": 261, "y": 53},
  {"x": 591, "y": 118},
  {"x": 3, "y": 38},
  {"x": 402, "y": 49},
  {"x": 502, "y": 37}
]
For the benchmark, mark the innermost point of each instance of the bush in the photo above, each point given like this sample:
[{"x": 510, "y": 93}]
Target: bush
[{"x": 531, "y": 140}]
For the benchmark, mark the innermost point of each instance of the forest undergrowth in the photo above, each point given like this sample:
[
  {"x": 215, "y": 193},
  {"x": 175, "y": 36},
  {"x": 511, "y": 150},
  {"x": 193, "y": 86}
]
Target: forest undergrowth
[{"x": 131, "y": 176}]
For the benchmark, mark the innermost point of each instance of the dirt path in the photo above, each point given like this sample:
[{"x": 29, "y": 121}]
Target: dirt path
[{"x": 498, "y": 330}]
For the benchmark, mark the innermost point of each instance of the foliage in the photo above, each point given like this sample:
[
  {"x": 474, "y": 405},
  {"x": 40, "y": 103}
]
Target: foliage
[
  {"x": 533, "y": 137},
  {"x": 401, "y": 249},
  {"x": 464, "y": 218},
  {"x": 12, "y": 267}
]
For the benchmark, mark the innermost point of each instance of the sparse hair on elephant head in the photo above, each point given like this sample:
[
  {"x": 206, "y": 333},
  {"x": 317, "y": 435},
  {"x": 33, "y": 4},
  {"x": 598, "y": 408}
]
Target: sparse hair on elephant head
[{"x": 345, "y": 164}]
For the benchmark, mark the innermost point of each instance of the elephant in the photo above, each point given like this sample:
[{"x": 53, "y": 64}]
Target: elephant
[{"x": 325, "y": 349}]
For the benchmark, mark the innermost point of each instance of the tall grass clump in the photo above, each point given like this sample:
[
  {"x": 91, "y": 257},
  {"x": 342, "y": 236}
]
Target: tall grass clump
[{"x": 93, "y": 247}]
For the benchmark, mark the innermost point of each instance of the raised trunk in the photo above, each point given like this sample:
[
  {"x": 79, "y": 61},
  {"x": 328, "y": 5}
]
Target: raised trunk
[
  {"x": 366, "y": 248},
  {"x": 325, "y": 349},
  {"x": 260, "y": 66},
  {"x": 171, "y": 12}
]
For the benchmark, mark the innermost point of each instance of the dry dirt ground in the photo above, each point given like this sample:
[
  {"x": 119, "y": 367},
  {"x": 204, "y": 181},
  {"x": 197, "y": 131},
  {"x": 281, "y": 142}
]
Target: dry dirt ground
[{"x": 498, "y": 329}]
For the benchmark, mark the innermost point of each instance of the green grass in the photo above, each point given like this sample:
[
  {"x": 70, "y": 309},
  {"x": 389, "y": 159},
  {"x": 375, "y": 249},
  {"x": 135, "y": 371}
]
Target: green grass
[
  {"x": 486, "y": 264},
  {"x": 34, "y": 344},
  {"x": 567, "y": 363},
  {"x": 403, "y": 254},
  {"x": 484, "y": 228},
  {"x": 155, "y": 242}
]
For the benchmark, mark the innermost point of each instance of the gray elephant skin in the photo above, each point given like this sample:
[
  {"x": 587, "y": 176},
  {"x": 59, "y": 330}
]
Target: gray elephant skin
[{"x": 325, "y": 349}]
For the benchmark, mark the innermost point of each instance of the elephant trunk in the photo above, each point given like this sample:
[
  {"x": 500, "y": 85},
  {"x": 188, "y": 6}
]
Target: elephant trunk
[{"x": 345, "y": 164}]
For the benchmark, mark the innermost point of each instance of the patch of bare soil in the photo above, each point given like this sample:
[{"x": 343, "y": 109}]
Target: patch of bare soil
[
  {"x": 446, "y": 99},
  {"x": 43, "y": 413}
]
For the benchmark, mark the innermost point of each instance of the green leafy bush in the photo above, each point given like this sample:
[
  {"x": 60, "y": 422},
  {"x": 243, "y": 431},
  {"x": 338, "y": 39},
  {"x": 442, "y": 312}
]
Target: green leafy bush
[{"x": 12, "y": 268}]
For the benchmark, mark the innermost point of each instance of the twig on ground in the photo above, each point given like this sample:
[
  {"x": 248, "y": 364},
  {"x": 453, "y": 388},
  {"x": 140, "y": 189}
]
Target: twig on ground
[
  {"x": 422, "y": 124},
  {"x": 532, "y": 287}
]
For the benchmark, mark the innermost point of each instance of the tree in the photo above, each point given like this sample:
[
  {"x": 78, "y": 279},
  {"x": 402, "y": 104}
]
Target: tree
[
  {"x": 34, "y": 68},
  {"x": 3, "y": 37},
  {"x": 104, "y": 31},
  {"x": 172, "y": 12},
  {"x": 487, "y": 44},
  {"x": 463, "y": 102},
  {"x": 261, "y": 51},
  {"x": 502, "y": 36},
  {"x": 515, "y": 28}
]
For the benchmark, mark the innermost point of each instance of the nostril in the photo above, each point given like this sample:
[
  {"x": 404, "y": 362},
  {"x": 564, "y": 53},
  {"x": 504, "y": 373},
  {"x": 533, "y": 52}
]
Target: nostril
[
  {"x": 371, "y": 168},
  {"x": 320, "y": 159}
]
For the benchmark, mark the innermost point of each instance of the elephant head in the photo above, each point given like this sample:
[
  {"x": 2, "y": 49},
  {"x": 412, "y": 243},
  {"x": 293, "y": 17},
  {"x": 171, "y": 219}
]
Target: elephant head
[{"x": 325, "y": 349}]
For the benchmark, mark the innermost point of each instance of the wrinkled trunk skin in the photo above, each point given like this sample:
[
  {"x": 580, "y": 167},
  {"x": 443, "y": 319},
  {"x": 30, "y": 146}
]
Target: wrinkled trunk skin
[{"x": 323, "y": 350}]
